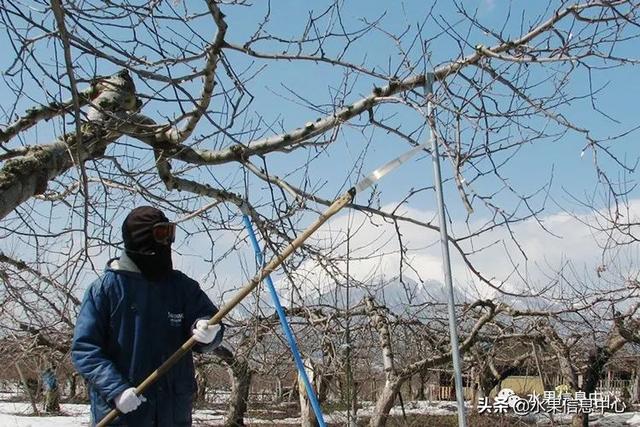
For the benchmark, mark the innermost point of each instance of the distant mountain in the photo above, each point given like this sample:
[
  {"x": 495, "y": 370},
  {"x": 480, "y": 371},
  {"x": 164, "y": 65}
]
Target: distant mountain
[{"x": 398, "y": 296}]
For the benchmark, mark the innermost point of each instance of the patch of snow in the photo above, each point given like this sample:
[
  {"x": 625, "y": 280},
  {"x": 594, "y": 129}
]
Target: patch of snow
[{"x": 18, "y": 414}]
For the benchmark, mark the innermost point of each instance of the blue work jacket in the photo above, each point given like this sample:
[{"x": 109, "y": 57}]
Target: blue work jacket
[{"x": 126, "y": 328}]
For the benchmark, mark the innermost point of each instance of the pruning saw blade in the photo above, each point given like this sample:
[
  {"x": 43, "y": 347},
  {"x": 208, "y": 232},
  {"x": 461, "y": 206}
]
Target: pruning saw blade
[{"x": 374, "y": 176}]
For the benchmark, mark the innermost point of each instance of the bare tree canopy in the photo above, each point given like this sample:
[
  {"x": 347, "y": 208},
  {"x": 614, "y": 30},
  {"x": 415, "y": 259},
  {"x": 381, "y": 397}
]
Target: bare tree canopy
[{"x": 212, "y": 109}]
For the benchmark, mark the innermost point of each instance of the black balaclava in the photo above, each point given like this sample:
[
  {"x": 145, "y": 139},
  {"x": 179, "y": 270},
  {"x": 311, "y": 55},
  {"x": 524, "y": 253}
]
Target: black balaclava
[{"x": 152, "y": 258}]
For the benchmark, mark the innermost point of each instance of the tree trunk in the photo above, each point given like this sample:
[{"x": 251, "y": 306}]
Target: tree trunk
[
  {"x": 486, "y": 384},
  {"x": 474, "y": 390},
  {"x": 278, "y": 393},
  {"x": 52, "y": 401},
  {"x": 580, "y": 420},
  {"x": 241, "y": 381},
  {"x": 419, "y": 395},
  {"x": 307, "y": 416},
  {"x": 385, "y": 402},
  {"x": 353, "y": 421},
  {"x": 202, "y": 383},
  {"x": 324, "y": 382},
  {"x": 73, "y": 386},
  {"x": 84, "y": 391},
  {"x": 240, "y": 374},
  {"x": 27, "y": 389},
  {"x": 392, "y": 383},
  {"x": 294, "y": 394}
]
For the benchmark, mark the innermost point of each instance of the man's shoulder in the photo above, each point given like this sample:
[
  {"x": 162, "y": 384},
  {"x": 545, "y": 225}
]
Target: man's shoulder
[
  {"x": 179, "y": 276},
  {"x": 106, "y": 280}
]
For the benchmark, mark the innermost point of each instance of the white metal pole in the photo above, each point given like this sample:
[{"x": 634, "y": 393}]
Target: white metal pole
[{"x": 446, "y": 262}]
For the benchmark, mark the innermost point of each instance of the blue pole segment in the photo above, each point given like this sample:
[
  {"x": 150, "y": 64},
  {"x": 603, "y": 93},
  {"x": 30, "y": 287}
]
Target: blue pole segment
[{"x": 285, "y": 326}]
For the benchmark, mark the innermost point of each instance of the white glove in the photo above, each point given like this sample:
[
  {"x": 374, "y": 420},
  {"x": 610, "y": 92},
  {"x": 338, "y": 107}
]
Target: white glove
[
  {"x": 203, "y": 333},
  {"x": 128, "y": 401}
]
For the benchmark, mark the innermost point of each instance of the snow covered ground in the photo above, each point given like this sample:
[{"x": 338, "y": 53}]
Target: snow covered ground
[{"x": 18, "y": 414}]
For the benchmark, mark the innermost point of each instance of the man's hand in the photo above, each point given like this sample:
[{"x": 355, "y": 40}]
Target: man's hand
[
  {"x": 128, "y": 401},
  {"x": 203, "y": 333}
]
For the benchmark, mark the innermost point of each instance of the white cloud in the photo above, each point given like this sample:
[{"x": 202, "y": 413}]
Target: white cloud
[
  {"x": 375, "y": 250},
  {"x": 488, "y": 5},
  {"x": 375, "y": 253}
]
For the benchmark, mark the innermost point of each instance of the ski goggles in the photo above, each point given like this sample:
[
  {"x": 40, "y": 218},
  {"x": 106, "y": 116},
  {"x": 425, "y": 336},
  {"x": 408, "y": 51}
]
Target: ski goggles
[{"x": 164, "y": 233}]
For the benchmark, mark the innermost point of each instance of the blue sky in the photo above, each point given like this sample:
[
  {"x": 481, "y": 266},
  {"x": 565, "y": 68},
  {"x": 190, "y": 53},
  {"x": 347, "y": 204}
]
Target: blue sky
[
  {"x": 528, "y": 170},
  {"x": 318, "y": 82}
]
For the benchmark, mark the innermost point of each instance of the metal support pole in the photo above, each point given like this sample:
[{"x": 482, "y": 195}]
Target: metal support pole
[{"x": 446, "y": 262}]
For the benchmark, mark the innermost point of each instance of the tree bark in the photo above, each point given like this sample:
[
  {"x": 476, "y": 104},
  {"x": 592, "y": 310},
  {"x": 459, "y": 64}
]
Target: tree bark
[
  {"x": 636, "y": 388},
  {"x": 307, "y": 416},
  {"x": 241, "y": 382},
  {"x": 393, "y": 382},
  {"x": 419, "y": 394},
  {"x": 240, "y": 375},
  {"x": 384, "y": 403},
  {"x": 73, "y": 381},
  {"x": 580, "y": 420},
  {"x": 29, "y": 174},
  {"x": 27, "y": 389},
  {"x": 202, "y": 383}
]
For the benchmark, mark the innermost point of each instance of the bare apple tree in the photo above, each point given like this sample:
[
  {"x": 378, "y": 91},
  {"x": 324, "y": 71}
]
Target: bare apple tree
[{"x": 214, "y": 109}]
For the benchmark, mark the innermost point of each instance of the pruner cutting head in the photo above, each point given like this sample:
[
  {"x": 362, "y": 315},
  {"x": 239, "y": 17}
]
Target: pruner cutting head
[{"x": 374, "y": 176}]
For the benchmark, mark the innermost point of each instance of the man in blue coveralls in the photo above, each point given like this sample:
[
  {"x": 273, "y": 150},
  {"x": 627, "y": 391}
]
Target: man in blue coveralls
[
  {"x": 50, "y": 389},
  {"x": 132, "y": 319}
]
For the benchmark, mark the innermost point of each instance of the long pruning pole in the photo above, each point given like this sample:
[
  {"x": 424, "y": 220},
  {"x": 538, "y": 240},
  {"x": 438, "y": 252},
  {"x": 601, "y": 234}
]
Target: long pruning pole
[
  {"x": 446, "y": 261},
  {"x": 335, "y": 207}
]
